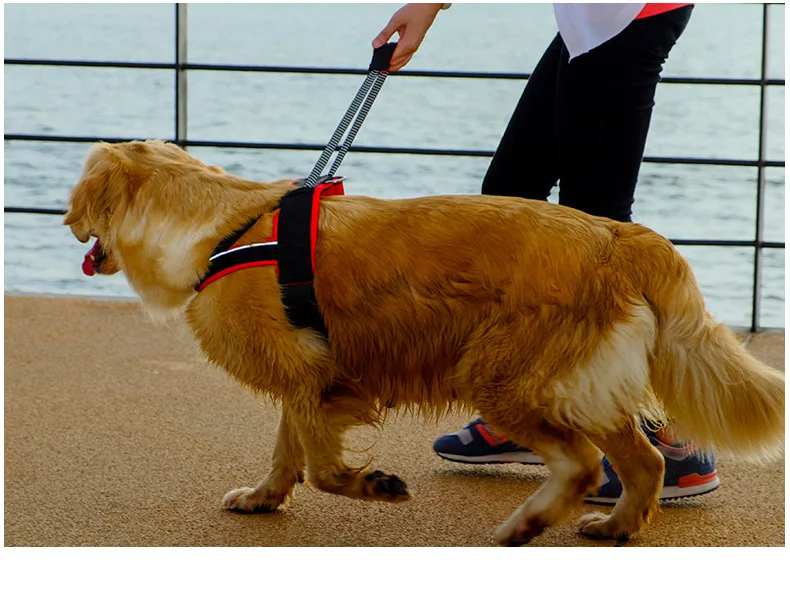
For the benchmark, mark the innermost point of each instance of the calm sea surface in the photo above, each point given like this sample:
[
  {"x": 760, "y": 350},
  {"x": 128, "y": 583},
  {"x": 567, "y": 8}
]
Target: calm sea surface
[{"x": 704, "y": 202}]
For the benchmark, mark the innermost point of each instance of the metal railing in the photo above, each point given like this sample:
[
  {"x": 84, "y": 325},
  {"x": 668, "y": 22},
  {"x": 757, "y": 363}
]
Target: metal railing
[{"x": 181, "y": 67}]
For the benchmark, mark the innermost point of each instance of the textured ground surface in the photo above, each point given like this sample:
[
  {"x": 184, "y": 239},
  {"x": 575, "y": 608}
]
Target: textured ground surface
[{"x": 117, "y": 433}]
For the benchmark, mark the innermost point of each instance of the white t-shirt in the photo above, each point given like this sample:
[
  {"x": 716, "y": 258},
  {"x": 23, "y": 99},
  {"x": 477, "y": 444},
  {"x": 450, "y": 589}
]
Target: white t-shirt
[{"x": 584, "y": 26}]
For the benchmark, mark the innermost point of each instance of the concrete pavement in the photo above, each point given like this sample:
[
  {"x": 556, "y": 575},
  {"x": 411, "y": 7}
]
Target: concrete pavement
[{"x": 117, "y": 433}]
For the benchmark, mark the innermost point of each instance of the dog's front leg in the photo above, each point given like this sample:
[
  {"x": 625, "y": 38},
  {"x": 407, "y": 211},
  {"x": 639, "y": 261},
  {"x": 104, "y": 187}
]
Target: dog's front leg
[
  {"x": 288, "y": 462},
  {"x": 321, "y": 428}
]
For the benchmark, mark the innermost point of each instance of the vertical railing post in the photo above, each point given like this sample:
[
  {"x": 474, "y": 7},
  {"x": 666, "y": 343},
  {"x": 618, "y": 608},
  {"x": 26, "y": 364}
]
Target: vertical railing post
[
  {"x": 760, "y": 216},
  {"x": 181, "y": 73}
]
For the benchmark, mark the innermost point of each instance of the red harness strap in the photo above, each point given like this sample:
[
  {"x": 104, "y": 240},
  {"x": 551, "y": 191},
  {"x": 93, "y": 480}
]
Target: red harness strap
[
  {"x": 224, "y": 262},
  {"x": 229, "y": 257},
  {"x": 291, "y": 250}
]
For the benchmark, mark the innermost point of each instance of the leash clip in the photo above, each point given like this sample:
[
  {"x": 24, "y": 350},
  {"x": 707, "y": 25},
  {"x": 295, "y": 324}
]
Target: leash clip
[{"x": 321, "y": 180}]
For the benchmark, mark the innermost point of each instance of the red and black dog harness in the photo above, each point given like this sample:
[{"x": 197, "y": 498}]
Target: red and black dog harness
[{"x": 291, "y": 250}]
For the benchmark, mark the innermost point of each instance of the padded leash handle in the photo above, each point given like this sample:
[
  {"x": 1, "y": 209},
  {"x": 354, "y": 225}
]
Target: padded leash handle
[
  {"x": 360, "y": 106},
  {"x": 382, "y": 57}
]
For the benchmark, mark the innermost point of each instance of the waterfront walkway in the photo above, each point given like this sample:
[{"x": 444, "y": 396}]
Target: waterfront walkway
[{"x": 117, "y": 433}]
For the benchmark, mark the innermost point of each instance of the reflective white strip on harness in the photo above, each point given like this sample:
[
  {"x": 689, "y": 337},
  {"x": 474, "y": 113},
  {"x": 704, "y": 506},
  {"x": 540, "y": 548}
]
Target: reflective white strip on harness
[{"x": 241, "y": 248}]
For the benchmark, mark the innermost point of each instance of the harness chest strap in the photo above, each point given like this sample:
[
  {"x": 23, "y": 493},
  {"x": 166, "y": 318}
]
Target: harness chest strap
[{"x": 291, "y": 250}]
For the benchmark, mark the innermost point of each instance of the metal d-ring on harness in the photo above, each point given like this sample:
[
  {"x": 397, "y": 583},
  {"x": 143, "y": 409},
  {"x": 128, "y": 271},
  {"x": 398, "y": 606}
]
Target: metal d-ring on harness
[{"x": 292, "y": 246}]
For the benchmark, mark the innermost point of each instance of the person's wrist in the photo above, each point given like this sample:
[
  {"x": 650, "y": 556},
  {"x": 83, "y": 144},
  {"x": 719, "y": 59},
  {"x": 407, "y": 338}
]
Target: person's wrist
[{"x": 434, "y": 7}]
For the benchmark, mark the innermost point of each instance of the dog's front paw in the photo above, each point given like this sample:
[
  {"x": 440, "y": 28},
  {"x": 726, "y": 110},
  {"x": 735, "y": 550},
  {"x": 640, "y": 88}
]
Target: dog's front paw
[
  {"x": 247, "y": 499},
  {"x": 385, "y": 487}
]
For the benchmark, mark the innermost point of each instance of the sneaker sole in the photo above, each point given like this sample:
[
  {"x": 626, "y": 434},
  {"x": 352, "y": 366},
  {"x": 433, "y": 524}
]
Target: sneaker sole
[
  {"x": 667, "y": 493},
  {"x": 515, "y": 457}
]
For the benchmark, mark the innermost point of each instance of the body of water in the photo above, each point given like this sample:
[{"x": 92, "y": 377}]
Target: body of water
[{"x": 683, "y": 202}]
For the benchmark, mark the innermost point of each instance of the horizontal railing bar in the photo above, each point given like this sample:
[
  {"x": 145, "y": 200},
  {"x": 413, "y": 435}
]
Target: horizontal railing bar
[
  {"x": 65, "y": 139},
  {"x": 451, "y": 74},
  {"x": 712, "y": 161},
  {"x": 677, "y": 242},
  {"x": 371, "y": 149},
  {"x": 35, "y": 211},
  {"x": 89, "y": 64},
  {"x": 728, "y": 243}
]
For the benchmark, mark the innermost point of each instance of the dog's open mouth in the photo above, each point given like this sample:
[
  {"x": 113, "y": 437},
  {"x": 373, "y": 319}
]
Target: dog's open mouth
[{"x": 92, "y": 258}]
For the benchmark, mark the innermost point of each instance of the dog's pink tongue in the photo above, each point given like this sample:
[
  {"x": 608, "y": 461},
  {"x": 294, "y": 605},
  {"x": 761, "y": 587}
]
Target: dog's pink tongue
[{"x": 87, "y": 264}]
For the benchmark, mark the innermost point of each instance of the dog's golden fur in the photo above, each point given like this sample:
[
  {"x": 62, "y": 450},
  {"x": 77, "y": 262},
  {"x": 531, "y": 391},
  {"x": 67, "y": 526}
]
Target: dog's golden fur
[{"x": 559, "y": 328}]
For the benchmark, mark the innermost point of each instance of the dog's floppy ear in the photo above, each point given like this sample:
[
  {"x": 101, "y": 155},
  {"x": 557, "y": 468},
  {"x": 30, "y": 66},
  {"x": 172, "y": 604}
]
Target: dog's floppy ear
[{"x": 107, "y": 182}]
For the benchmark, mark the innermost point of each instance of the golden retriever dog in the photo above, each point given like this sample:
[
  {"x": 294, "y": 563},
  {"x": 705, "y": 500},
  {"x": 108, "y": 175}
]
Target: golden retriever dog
[{"x": 561, "y": 329}]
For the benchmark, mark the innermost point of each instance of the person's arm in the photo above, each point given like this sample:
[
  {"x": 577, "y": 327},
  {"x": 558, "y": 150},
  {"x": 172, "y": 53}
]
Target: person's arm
[{"x": 411, "y": 22}]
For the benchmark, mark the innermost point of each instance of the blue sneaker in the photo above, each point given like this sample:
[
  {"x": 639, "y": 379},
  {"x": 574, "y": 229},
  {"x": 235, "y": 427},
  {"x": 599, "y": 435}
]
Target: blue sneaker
[
  {"x": 685, "y": 474},
  {"x": 476, "y": 443}
]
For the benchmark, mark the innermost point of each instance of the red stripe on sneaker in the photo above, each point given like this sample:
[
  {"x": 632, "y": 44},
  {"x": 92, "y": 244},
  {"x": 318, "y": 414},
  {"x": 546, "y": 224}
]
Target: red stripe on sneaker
[
  {"x": 488, "y": 436},
  {"x": 694, "y": 480}
]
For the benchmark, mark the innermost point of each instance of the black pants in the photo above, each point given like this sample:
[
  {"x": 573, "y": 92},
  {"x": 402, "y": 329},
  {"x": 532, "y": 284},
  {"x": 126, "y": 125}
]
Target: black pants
[{"x": 585, "y": 123}]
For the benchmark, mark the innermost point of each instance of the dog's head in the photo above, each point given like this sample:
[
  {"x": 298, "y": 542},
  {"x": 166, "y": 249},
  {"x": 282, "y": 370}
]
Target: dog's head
[
  {"x": 108, "y": 189},
  {"x": 157, "y": 213},
  {"x": 147, "y": 204},
  {"x": 91, "y": 204}
]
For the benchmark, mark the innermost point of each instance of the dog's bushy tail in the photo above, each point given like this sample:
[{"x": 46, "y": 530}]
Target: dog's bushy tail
[{"x": 716, "y": 394}]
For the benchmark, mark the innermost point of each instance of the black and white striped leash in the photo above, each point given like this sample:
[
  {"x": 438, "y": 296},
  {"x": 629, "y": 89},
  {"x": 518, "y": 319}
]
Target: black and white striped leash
[
  {"x": 292, "y": 249},
  {"x": 360, "y": 106}
]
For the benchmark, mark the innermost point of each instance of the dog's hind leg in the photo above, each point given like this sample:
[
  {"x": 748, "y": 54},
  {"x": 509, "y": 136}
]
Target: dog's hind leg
[
  {"x": 321, "y": 429},
  {"x": 288, "y": 463},
  {"x": 575, "y": 466},
  {"x": 640, "y": 468}
]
